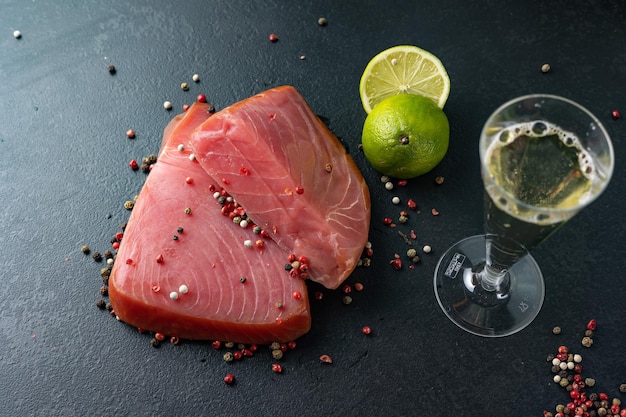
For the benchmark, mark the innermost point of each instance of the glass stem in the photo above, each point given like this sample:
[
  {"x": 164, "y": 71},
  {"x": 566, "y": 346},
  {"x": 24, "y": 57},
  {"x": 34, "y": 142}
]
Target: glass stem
[{"x": 501, "y": 255}]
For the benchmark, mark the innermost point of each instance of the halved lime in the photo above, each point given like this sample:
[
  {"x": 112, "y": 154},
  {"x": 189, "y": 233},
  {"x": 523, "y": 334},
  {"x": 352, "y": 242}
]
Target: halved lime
[{"x": 404, "y": 69}]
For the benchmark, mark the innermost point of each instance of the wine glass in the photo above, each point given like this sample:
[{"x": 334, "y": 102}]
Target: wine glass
[{"x": 543, "y": 158}]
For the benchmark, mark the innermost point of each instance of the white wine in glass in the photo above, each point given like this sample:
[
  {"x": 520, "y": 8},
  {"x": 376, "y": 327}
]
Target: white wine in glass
[{"x": 543, "y": 159}]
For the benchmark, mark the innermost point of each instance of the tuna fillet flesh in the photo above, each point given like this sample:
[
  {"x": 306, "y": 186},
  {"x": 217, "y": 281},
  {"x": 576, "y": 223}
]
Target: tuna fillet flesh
[
  {"x": 293, "y": 176},
  {"x": 204, "y": 284}
]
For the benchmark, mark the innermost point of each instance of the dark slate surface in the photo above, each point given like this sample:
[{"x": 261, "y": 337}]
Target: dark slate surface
[{"x": 64, "y": 177}]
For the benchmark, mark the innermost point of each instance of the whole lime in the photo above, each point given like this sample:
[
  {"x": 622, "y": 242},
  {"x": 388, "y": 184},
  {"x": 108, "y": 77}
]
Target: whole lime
[{"x": 405, "y": 135}]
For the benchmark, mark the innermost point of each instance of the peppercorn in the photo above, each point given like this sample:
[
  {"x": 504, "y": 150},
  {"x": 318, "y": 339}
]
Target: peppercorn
[
  {"x": 587, "y": 341},
  {"x": 556, "y": 330},
  {"x": 229, "y": 379},
  {"x": 277, "y": 353},
  {"x": 228, "y": 356},
  {"x": 128, "y": 205},
  {"x": 104, "y": 290},
  {"x": 411, "y": 253},
  {"x": 97, "y": 257},
  {"x": 545, "y": 68},
  {"x": 322, "y": 21},
  {"x": 229, "y": 345},
  {"x": 85, "y": 249},
  {"x": 184, "y": 86},
  {"x": 439, "y": 180},
  {"x": 111, "y": 69},
  {"x": 346, "y": 299},
  {"x": 101, "y": 304},
  {"x": 589, "y": 333},
  {"x": 622, "y": 388}
]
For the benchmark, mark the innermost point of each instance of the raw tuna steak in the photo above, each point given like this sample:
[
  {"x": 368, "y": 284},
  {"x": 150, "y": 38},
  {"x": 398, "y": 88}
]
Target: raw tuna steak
[
  {"x": 182, "y": 268},
  {"x": 292, "y": 175}
]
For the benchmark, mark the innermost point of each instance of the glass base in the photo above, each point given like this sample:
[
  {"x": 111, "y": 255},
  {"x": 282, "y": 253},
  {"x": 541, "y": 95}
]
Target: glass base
[{"x": 495, "y": 313}]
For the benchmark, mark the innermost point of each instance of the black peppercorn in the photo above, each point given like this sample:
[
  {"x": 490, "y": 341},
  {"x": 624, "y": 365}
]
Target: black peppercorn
[
  {"x": 111, "y": 69},
  {"x": 108, "y": 254},
  {"x": 155, "y": 343},
  {"x": 97, "y": 257},
  {"x": 101, "y": 304},
  {"x": 104, "y": 290},
  {"x": 152, "y": 158},
  {"x": 211, "y": 108},
  {"x": 622, "y": 388}
]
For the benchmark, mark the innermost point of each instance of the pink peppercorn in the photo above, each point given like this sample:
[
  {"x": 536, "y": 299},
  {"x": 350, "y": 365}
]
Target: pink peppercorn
[
  {"x": 273, "y": 37},
  {"x": 133, "y": 164},
  {"x": 615, "y": 114},
  {"x": 366, "y": 330},
  {"x": 115, "y": 245},
  {"x": 592, "y": 324},
  {"x": 130, "y": 133},
  {"x": 201, "y": 98},
  {"x": 277, "y": 367},
  {"x": 229, "y": 379}
]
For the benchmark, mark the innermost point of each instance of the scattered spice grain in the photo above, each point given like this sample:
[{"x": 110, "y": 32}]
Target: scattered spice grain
[
  {"x": 322, "y": 21},
  {"x": 112, "y": 70},
  {"x": 545, "y": 68}
]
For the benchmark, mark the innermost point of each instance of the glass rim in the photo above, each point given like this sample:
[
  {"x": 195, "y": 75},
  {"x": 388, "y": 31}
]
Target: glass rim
[{"x": 592, "y": 117}]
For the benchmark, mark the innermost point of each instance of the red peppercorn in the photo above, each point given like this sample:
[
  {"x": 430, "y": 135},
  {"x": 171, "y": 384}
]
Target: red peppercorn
[
  {"x": 615, "y": 114},
  {"x": 347, "y": 289},
  {"x": 284, "y": 347},
  {"x": 119, "y": 235},
  {"x": 216, "y": 344},
  {"x": 185, "y": 107},
  {"x": 201, "y": 98},
  {"x": 247, "y": 353},
  {"x": 396, "y": 263},
  {"x": 411, "y": 204},
  {"x": 622, "y": 413},
  {"x": 159, "y": 259},
  {"x": 387, "y": 220},
  {"x": 291, "y": 258},
  {"x": 291, "y": 345},
  {"x": 297, "y": 295},
  {"x": 174, "y": 340},
  {"x": 133, "y": 164},
  {"x": 229, "y": 379},
  {"x": 615, "y": 409},
  {"x": 402, "y": 183},
  {"x": 237, "y": 355},
  {"x": 130, "y": 133},
  {"x": 115, "y": 245},
  {"x": 366, "y": 330},
  {"x": 603, "y": 396},
  {"x": 277, "y": 367},
  {"x": 299, "y": 189},
  {"x": 253, "y": 347},
  {"x": 273, "y": 37},
  {"x": 592, "y": 324},
  {"x": 159, "y": 336},
  {"x": 326, "y": 359},
  {"x": 563, "y": 349},
  {"x": 319, "y": 295},
  {"x": 189, "y": 180}
]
